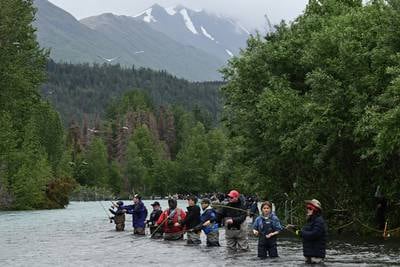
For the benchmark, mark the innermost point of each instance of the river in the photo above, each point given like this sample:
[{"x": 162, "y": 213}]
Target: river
[{"x": 81, "y": 235}]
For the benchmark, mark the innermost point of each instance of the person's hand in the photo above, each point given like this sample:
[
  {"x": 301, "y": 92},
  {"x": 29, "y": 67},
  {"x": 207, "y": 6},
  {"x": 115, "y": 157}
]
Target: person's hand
[
  {"x": 255, "y": 232},
  {"x": 269, "y": 235},
  {"x": 206, "y": 223},
  {"x": 177, "y": 224},
  {"x": 229, "y": 221}
]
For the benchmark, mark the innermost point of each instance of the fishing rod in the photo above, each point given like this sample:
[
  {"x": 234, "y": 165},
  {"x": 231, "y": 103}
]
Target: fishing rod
[
  {"x": 158, "y": 227},
  {"x": 101, "y": 204},
  {"x": 286, "y": 227}
]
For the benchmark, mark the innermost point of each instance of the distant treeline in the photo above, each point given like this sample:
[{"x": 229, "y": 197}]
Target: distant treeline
[{"x": 86, "y": 90}]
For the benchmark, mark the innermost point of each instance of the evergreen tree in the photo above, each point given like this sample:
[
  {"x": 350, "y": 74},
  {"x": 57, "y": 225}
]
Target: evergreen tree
[
  {"x": 194, "y": 162},
  {"x": 97, "y": 165},
  {"x": 134, "y": 171}
]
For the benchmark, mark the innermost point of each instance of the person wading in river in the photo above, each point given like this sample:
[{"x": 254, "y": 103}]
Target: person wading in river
[
  {"x": 151, "y": 222},
  {"x": 266, "y": 227},
  {"x": 139, "y": 214},
  {"x": 192, "y": 219},
  {"x": 234, "y": 215},
  {"x": 209, "y": 223},
  {"x": 170, "y": 221},
  {"x": 313, "y": 234},
  {"x": 119, "y": 216}
]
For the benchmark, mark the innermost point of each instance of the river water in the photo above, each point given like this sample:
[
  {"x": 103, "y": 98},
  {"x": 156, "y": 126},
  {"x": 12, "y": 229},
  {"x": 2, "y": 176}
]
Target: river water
[{"x": 81, "y": 235}]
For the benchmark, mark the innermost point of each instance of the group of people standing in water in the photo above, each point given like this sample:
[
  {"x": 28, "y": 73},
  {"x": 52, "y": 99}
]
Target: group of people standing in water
[{"x": 174, "y": 222}]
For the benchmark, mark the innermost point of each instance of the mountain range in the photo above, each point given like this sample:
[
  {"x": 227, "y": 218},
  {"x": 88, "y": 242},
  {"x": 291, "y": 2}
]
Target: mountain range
[{"x": 186, "y": 43}]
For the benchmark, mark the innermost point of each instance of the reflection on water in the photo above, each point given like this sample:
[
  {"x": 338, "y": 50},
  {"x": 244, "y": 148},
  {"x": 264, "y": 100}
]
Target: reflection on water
[{"x": 82, "y": 236}]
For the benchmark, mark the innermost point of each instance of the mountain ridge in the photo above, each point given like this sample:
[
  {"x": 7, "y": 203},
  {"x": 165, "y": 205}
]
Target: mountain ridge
[{"x": 162, "y": 43}]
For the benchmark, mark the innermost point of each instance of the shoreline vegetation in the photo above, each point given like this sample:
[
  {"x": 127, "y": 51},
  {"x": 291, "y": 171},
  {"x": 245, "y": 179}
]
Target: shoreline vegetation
[{"x": 308, "y": 111}]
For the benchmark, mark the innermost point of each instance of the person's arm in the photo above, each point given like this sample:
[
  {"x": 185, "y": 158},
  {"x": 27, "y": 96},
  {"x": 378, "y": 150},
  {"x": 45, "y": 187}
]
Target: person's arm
[
  {"x": 128, "y": 208},
  {"x": 183, "y": 215},
  {"x": 162, "y": 218},
  {"x": 276, "y": 224},
  {"x": 255, "y": 226},
  {"x": 209, "y": 218},
  {"x": 187, "y": 218},
  {"x": 316, "y": 231},
  {"x": 240, "y": 218}
]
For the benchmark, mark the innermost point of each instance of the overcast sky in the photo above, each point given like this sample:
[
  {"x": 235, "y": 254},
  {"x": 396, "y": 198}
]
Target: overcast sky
[{"x": 249, "y": 12}]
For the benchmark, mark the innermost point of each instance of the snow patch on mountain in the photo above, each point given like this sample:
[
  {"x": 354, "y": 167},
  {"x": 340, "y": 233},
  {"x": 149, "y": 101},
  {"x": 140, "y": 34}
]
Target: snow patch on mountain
[
  {"x": 206, "y": 34},
  {"x": 170, "y": 10},
  {"x": 229, "y": 52},
  {"x": 148, "y": 18},
  {"x": 188, "y": 21}
]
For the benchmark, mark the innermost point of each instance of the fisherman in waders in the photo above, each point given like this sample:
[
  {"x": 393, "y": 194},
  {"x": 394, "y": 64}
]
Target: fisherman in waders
[
  {"x": 266, "y": 227},
  {"x": 139, "y": 214},
  {"x": 234, "y": 215},
  {"x": 192, "y": 219},
  {"x": 208, "y": 223},
  {"x": 313, "y": 233},
  {"x": 170, "y": 221},
  {"x": 119, "y": 216},
  {"x": 156, "y": 232}
]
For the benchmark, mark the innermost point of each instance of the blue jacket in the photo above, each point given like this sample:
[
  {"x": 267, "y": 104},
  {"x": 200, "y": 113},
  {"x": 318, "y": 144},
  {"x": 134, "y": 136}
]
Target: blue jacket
[
  {"x": 209, "y": 214},
  {"x": 139, "y": 214},
  {"x": 266, "y": 225},
  {"x": 314, "y": 235}
]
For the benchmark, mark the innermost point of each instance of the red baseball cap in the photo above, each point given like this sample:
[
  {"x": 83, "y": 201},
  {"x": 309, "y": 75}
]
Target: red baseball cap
[{"x": 234, "y": 194}]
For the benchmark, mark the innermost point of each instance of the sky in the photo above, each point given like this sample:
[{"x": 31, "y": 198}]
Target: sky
[{"x": 249, "y": 13}]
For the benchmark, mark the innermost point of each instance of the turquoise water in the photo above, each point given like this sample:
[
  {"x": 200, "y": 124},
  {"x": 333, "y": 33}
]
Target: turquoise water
[{"x": 81, "y": 235}]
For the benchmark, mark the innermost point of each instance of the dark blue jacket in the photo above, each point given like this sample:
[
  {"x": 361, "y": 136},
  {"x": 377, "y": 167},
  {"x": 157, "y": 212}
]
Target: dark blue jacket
[
  {"x": 139, "y": 214},
  {"x": 314, "y": 235},
  {"x": 209, "y": 214}
]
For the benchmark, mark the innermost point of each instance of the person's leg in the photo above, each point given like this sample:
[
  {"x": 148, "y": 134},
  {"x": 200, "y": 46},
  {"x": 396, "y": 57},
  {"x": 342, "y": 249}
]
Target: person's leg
[
  {"x": 213, "y": 239},
  {"x": 230, "y": 239},
  {"x": 139, "y": 231},
  {"x": 120, "y": 227},
  {"x": 242, "y": 239},
  {"x": 193, "y": 238},
  {"x": 261, "y": 250},
  {"x": 272, "y": 250}
]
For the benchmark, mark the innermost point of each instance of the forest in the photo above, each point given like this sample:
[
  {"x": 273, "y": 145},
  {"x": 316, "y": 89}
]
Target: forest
[
  {"x": 311, "y": 110},
  {"x": 86, "y": 90}
]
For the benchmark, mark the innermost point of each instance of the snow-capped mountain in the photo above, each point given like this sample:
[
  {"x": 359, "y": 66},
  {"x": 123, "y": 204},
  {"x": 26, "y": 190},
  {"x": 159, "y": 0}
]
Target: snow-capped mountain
[
  {"x": 220, "y": 36},
  {"x": 189, "y": 44}
]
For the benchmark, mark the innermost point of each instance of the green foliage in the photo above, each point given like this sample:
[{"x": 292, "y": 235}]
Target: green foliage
[
  {"x": 51, "y": 133},
  {"x": 315, "y": 105},
  {"x": 31, "y": 135},
  {"x": 132, "y": 101},
  {"x": 79, "y": 90},
  {"x": 115, "y": 178},
  {"x": 134, "y": 169},
  {"x": 96, "y": 164},
  {"x": 194, "y": 162},
  {"x": 58, "y": 192}
]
